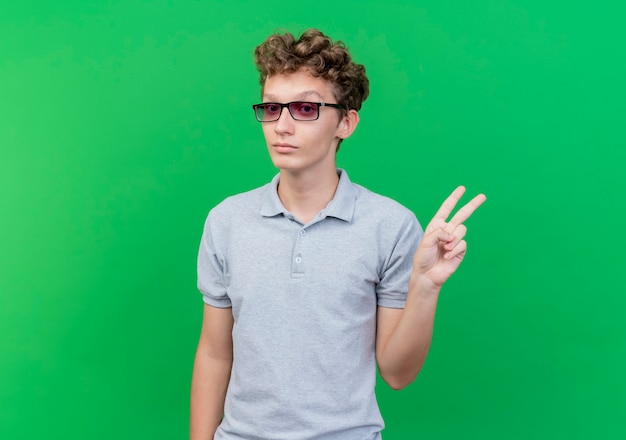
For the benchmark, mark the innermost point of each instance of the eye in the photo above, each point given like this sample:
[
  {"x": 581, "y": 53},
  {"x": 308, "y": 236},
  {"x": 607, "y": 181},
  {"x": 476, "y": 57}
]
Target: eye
[
  {"x": 306, "y": 108},
  {"x": 304, "y": 111},
  {"x": 271, "y": 108}
]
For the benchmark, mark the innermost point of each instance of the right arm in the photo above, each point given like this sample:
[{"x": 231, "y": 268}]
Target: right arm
[{"x": 211, "y": 372}]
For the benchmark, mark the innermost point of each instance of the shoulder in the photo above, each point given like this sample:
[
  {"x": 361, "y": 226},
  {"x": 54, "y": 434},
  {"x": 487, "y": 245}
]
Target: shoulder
[
  {"x": 381, "y": 208},
  {"x": 239, "y": 206},
  {"x": 241, "y": 203},
  {"x": 385, "y": 220}
]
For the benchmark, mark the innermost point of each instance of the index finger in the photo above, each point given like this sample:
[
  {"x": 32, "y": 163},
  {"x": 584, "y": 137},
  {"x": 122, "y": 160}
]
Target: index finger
[
  {"x": 448, "y": 205},
  {"x": 466, "y": 211}
]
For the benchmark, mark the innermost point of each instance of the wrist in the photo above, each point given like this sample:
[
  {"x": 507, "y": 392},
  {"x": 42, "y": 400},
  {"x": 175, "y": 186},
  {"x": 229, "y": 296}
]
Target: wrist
[{"x": 423, "y": 286}]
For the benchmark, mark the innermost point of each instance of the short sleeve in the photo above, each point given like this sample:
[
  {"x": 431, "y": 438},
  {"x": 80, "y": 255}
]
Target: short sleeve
[
  {"x": 393, "y": 286},
  {"x": 212, "y": 270}
]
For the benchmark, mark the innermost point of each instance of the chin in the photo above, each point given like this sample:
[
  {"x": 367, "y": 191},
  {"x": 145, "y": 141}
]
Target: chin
[{"x": 286, "y": 163}]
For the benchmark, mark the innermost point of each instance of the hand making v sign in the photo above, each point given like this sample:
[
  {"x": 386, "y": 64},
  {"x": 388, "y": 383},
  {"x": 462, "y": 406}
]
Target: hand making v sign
[{"x": 443, "y": 247}]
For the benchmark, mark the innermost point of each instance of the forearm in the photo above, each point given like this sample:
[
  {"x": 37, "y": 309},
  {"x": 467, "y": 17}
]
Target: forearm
[
  {"x": 405, "y": 351},
  {"x": 208, "y": 391}
]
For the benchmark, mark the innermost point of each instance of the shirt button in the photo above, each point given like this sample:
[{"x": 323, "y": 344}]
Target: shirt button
[
  {"x": 302, "y": 232},
  {"x": 298, "y": 259}
]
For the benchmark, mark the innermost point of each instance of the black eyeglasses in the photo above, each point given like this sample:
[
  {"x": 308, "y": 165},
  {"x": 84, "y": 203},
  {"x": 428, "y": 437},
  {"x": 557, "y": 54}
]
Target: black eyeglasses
[{"x": 299, "y": 110}]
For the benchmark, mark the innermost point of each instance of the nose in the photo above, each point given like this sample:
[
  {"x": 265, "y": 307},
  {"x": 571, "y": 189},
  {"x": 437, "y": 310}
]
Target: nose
[{"x": 284, "y": 124}]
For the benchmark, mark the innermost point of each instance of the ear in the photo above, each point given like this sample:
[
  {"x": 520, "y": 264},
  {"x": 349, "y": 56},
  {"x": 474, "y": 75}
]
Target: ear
[{"x": 348, "y": 124}]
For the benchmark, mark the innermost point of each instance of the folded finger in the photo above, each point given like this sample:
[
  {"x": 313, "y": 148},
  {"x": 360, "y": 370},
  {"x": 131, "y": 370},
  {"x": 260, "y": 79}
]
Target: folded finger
[
  {"x": 459, "y": 234},
  {"x": 458, "y": 251}
]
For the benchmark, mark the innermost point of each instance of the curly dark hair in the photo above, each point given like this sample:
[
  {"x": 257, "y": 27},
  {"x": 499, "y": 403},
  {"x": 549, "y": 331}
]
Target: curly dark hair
[{"x": 321, "y": 57}]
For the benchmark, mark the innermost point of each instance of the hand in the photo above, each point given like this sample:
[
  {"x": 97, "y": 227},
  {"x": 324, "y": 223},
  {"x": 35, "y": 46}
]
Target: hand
[{"x": 443, "y": 247}]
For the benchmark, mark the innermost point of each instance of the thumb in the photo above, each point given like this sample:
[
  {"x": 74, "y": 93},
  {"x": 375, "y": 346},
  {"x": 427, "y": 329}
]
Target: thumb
[{"x": 439, "y": 235}]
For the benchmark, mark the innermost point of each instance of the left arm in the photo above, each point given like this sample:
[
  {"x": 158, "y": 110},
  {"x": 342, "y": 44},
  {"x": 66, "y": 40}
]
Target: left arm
[{"x": 403, "y": 335}]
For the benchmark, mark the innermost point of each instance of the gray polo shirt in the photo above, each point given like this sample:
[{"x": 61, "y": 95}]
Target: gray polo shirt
[{"x": 304, "y": 301}]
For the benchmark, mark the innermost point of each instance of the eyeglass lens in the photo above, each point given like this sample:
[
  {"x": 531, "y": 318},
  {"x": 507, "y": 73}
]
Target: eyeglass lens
[{"x": 302, "y": 111}]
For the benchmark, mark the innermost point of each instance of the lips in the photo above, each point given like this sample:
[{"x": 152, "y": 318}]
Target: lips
[{"x": 284, "y": 148}]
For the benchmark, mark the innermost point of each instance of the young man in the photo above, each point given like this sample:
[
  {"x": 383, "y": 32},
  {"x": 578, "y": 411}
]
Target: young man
[{"x": 311, "y": 281}]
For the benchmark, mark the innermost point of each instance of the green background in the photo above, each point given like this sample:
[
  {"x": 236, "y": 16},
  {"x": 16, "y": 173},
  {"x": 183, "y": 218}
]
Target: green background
[{"x": 123, "y": 122}]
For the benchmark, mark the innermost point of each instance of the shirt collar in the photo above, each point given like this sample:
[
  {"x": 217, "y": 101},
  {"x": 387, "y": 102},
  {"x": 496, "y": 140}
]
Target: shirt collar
[
  {"x": 271, "y": 203},
  {"x": 341, "y": 206}
]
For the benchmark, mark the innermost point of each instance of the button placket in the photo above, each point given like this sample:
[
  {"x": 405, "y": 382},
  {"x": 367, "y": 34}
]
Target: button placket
[{"x": 297, "y": 266}]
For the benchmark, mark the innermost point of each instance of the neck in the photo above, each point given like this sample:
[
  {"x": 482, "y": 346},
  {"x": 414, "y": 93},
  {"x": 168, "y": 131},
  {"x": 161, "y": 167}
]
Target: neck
[{"x": 306, "y": 195}]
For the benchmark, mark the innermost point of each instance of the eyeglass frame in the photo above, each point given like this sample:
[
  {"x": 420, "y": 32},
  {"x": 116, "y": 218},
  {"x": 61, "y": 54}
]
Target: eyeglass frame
[{"x": 286, "y": 105}]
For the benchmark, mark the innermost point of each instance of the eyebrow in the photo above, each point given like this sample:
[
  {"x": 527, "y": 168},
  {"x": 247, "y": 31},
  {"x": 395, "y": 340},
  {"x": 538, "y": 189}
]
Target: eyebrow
[{"x": 299, "y": 96}]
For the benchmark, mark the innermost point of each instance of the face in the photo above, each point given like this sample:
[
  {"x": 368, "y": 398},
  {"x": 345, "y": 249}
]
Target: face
[{"x": 304, "y": 146}]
